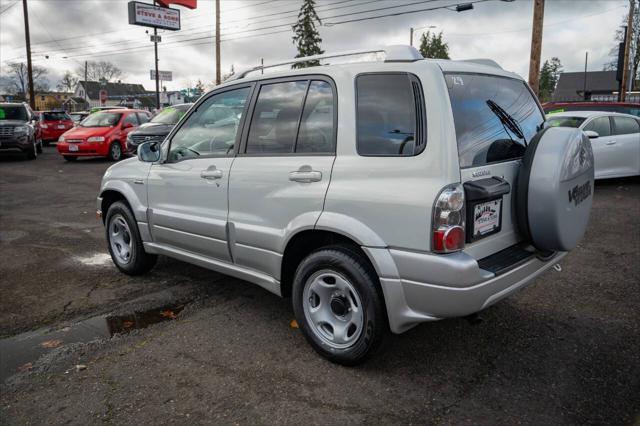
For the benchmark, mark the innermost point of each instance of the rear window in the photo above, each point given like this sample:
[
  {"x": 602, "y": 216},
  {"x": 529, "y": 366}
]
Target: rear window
[
  {"x": 478, "y": 103},
  {"x": 54, "y": 116},
  {"x": 565, "y": 121},
  {"x": 390, "y": 115}
]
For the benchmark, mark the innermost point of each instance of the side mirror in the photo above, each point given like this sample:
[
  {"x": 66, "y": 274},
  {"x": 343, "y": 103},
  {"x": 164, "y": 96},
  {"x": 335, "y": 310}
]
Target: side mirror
[
  {"x": 591, "y": 134},
  {"x": 149, "y": 152}
]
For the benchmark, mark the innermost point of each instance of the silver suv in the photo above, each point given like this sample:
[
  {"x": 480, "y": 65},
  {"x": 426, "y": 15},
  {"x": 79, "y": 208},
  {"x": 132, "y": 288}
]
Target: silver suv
[{"x": 376, "y": 195}]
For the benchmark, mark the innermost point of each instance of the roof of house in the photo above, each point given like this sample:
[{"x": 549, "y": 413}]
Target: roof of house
[
  {"x": 92, "y": 88},
  {"x": 571, "y": 84}
]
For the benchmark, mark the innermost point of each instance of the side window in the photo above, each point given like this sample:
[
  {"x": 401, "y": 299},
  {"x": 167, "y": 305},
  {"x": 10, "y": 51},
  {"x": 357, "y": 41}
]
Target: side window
[
  {"x": 212, "y": 128},
  {"x": 131, "y": 118},
  {"x": 275, "y": 118},
  {"x": 316, "y": 126},
  {"x": 144, "y": 118},
  {"x": 625, "y": 126},
  {"x": 387, "y": 108},
  {"x": 600, "y": 125}
]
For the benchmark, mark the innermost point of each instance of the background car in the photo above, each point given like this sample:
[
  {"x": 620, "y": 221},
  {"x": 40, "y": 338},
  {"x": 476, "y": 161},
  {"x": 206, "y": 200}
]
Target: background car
[
  {"x": 615, "y": 139},
  {"x": 18, "y": 129},
  {"x": 620, "y": 107},
  {"x": 53, "y": 124},
  {"x": 158, "y": 128},
  {"x": 78, "y": 116},
  {"x": 105, "y": 108},
  {"x": 101, "y": 134}
]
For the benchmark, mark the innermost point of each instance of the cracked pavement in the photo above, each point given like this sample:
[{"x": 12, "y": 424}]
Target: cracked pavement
[{"x": 565, "y": 350}]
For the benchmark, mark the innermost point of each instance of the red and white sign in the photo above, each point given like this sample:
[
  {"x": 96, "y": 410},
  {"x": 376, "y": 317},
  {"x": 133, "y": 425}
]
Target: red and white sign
[
  {"x": 103, "y": 97},
  {"x": 191, "y": 4},
  {"x": 149, "y": 15}
]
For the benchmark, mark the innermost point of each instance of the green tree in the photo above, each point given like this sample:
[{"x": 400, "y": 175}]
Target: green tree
[
  {"x": 549, "y": 75},
  {"x": 306, "y": 37},
  {"x": 432, "y": 46}
]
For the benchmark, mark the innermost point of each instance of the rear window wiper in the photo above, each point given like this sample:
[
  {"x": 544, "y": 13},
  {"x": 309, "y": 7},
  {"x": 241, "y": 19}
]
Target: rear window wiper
[{"x": 506, "y": 119}]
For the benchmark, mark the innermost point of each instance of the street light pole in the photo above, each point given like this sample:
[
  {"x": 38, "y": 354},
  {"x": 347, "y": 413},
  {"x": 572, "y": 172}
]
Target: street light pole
[
  {"x": 155, "y": 48},
  {"x": 218, "y": 79},
  {"x": 32, "y": 97}
]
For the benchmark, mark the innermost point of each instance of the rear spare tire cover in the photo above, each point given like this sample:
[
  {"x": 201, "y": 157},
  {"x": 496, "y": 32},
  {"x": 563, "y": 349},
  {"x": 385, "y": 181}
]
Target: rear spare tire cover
[{"x": 555, "y": 188}]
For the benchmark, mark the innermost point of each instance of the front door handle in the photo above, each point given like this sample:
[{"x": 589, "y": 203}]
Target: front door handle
[
  {"x": 611, "y": 142},
  {"x": 305, "y": 174},
  {"x": 211, "y": 174}
]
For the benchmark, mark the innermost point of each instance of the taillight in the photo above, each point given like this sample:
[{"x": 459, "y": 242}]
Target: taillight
[
  {"x": 44, "y": 126},
  {"x": 448, "y": 220}
]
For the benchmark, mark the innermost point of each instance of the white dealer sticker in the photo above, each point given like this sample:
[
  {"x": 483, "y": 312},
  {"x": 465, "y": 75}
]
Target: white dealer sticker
[{"x": 486, "y": 217}]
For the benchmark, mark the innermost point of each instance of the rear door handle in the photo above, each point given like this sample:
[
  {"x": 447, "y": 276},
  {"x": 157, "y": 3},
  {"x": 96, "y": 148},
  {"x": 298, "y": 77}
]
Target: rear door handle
[
  {"x": 305, "y": 176},
  {"x": 611, "y": 142},
  {"x": 211, "y": 174}
]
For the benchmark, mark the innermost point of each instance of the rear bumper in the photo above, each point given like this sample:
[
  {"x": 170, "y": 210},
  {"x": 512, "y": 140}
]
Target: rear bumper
[
  {"x": 451, "y": 286},
  {"x": 51, "y": 134}
]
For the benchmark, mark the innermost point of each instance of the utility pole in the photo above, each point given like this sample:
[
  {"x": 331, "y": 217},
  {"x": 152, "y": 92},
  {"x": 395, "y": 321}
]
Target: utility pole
[
  {"x": 411, "y": 36},
  {"x": 155, "y": 47},
  {"x": 627, "y": 47},
  {"x": 536, "y": 45},
  {"x": 86, "y": 72},
  {"x": 32, "y": 97},
  {"x": 584, "y": 87},
  {"x": 217, "y": 42}
]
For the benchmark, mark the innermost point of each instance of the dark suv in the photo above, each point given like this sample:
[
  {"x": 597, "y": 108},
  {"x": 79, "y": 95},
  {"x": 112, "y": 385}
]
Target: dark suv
[
  {"x": 18, "y": 129},
  {"x": 158, "y": 128}
]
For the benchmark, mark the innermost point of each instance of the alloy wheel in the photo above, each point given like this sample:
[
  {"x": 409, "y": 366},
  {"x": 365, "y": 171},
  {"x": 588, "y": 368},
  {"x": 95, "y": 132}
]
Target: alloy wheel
[{"x": 120, "y": 239}]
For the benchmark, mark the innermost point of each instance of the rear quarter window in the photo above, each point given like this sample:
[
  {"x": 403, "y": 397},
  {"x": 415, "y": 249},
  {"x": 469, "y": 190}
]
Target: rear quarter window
[
  {"x": 390, "y": 115},
  {"x": 482, "y": 137},
  {"x": 625, "y": 125}
]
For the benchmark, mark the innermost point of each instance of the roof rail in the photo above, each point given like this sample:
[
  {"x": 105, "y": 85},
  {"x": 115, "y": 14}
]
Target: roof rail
[
  {"x": 394, "y": 53},
  {"x": 483, "y": 61}
]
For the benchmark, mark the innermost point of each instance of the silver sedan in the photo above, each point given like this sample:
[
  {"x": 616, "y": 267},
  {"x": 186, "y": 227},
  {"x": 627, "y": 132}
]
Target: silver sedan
[{"x": 615, "y": 139}]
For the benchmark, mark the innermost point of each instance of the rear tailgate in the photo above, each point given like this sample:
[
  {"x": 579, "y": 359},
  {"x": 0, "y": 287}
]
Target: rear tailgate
[{"x": 490, "y": 147}]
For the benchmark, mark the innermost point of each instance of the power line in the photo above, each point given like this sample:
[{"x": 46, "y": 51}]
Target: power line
[{"x": 9, "y": 7}]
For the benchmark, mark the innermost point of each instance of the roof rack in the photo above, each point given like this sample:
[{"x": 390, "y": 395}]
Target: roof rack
[
  {"x": 483, "y": 61},
  {"x": 394, "y": 53}
]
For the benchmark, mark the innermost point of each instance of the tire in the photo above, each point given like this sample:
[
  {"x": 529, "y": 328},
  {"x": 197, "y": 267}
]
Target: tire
[
  {"x": 39, "y": 147},
  {"x": 338, "y": 285},
  {"x": 115, "y": 151},
  {"x": 46, "y": 143},
  {"x": 123, "y": 237},
  {"x": 32, "y": 152},
  {"x": 70, "y": 158}
]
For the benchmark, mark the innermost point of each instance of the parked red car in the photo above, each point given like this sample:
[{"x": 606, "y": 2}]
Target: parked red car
[
  {"x": 52, "y": 124},
  {"x": 101, "y": 134},
  {"x": 632, "y": 108}
]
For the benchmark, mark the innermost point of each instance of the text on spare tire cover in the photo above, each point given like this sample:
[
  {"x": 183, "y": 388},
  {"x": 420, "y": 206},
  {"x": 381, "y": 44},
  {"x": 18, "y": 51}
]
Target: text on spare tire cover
[{"x": 579, "y": 193}]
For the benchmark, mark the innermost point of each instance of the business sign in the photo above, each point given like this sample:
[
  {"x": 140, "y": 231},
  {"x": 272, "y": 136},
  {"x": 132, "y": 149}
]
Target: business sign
[
  {"x": 149, "y": 15},
  {"x": 163, "y": 75}
]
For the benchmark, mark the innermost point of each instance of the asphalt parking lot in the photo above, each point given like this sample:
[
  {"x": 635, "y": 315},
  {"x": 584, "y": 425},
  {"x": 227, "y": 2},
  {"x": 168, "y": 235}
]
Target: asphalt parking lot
[{"x": 566, "y": 350}]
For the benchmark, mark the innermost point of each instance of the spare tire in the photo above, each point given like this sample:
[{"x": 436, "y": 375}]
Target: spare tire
[{"x": 555, "y": 188}]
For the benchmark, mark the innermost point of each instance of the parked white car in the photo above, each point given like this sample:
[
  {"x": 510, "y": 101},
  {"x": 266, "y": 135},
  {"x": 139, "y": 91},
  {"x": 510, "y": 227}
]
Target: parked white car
[
  {"x": 615, "y": 139},
  {"x": 377, "y": 195}
]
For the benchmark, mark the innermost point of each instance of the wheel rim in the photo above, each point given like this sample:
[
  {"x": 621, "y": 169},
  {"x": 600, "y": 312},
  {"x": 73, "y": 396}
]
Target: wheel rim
[
  {"x": 115, "y": 151},
  {"x": 120, "y": 239},
  {"x": 333, "y": 309}
]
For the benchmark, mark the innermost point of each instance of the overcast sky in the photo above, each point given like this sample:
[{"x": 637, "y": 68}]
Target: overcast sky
[{"x": 98, "y": 30}]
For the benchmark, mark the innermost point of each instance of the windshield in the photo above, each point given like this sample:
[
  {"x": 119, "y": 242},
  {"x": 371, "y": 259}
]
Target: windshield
[
  {"x": 102, "y": 119},
  {"x": 54, "y": 116},
  {"x": 10, "y": 112},
  {"x": 169, "y": 115},
  {"x": 565, "y": 121},
  {"x": 494, "y": 117}
]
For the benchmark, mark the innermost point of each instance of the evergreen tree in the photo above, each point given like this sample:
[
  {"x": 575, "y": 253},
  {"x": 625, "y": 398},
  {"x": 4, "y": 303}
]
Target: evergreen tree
[
  {"x": 549, "y": 75},
  {"x": 306, "y": 37},
  {"x": 432, "y": 46}
]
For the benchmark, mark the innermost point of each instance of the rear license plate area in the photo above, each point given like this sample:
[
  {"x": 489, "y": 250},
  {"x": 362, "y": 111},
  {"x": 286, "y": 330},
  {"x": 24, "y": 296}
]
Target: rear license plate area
[
  {"x": 484, "y": 201},
  {"x": 487, "y": 218}
]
